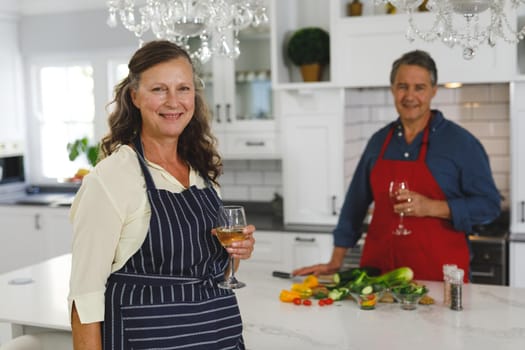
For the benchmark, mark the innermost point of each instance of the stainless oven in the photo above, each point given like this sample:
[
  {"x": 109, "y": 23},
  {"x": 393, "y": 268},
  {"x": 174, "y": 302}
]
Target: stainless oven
[
  {"x": 489, "y": 260},
  {"x": 489, "y": 245}
]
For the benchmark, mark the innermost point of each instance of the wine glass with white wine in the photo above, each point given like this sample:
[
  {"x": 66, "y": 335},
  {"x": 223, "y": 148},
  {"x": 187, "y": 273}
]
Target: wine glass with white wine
[
  {"x": 231, "y": 221},
  {"x": 394, "y": 189}
]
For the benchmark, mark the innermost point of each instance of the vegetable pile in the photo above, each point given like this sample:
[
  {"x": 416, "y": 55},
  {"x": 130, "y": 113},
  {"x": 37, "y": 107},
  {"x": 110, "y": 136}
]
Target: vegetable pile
[
  {"x": 410, "y": 288},
  {"x": 365, "y": 285}
]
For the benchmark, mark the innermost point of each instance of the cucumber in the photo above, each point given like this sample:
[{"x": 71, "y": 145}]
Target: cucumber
[{"x": 343, "y": 277}]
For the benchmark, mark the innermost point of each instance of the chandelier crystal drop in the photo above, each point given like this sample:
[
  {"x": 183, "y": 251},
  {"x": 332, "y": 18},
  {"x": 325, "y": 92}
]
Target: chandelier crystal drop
[
  {"x": 203, "y": 27},
  {"x": 465, "y": 23}
]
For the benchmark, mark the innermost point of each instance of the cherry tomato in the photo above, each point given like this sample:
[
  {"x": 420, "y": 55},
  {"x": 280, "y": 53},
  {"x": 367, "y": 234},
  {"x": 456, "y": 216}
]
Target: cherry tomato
[
  {"x": 328, "y": 301},
  {"x": 307, "y": 302},
  {"x": 297, "y": 301},
  {"x": 321, "y": 302}
]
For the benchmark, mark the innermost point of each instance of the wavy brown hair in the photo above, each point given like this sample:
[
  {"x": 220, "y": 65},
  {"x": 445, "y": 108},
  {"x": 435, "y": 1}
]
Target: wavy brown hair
[{"x": 197, "y": 145}]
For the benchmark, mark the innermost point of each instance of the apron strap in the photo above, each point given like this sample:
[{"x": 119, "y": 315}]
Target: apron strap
[
  {"x": 424, "y": 144},
  {"x": 137, "y": 142}
]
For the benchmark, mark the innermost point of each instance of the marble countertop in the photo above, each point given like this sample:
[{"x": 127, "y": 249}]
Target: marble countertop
[{"x": 493, "y": 316}]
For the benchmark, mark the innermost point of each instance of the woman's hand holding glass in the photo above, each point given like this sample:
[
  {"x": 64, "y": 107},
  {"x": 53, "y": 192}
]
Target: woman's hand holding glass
[{"x": 237, "y": 237}]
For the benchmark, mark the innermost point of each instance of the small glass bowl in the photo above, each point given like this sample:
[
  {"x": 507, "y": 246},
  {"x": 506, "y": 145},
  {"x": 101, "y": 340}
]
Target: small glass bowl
[
  {"x": 367, "y": 301},
  {"x": 408, "y": 301}
]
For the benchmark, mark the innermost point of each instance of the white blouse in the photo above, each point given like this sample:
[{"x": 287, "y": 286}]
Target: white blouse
[{"x": 110, "y": 216}]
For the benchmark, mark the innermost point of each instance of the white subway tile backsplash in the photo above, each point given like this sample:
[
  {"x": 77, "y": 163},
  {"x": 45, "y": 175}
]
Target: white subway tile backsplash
[
  {"x": 445, "y": 96},
  {"x": 455, "y": 112},
  {"x": 237, "y": 164},
  {"x": 354, "y": 132},
  {"x": 473, "y": 93},
  {"x": 357, "y": 114},
  {"x": 383, "y": 113},
  {"x": 499, "y": 93},
  {"x": 264, "y": 165},
  {"x": 502, "y": 181},
  {"x": 500, "y": 163},
  {"x": 365, "y": 97},
  {"x": 263, "y": 193},
  {"x": 497, "y": 129},
  {"x": 236, "y": 192},
  {"x": 498, "y": 147},
  {"x": 272, "y": 178},
  {"x": 227, "y": 178},
  {"x": 251, "y": 180},
  {"x": 248, "y": 177},
  {"x": 496, "y": 111}
]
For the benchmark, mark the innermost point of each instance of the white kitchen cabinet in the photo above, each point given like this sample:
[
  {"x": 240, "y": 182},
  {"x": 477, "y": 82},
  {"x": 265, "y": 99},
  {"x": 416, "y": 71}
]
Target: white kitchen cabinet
[
  {"x": 304, "y": 249},
  {"x": 517, "y": 150},
  {"x": 12, "y": 130},
  {"x": 269, "y": 251},
  {"x": 517, "y": 195},
  {"x": 240, "y": 99},
  {"x": 312, "y": 154},
  {"x": 286, "y": 250},
  {"x": 364, "y": 48},
  {"x": 517, "y": 263},
  {"x": 32, "y": 234}
]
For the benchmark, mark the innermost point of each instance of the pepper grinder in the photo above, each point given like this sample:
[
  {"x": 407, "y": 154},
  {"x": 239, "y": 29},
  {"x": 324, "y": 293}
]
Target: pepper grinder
[
  {"x": 447, "y": 269},
  {"x": 456, "y": 292}
]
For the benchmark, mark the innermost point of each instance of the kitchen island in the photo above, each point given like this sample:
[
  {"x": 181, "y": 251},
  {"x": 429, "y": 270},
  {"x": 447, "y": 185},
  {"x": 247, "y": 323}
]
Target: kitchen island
[{"x": 493, "y": 316}]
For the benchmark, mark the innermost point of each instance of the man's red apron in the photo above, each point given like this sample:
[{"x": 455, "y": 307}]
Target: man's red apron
[{"x": 432, "y": 243}]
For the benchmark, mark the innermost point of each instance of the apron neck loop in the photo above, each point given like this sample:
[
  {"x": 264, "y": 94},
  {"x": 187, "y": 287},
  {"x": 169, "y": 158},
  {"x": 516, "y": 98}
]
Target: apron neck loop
[{"x": 137, "y": 142}]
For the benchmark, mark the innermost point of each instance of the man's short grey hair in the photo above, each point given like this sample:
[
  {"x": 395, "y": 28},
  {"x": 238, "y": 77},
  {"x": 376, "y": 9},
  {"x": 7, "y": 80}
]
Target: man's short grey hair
[{"x": 417, "y": 58}]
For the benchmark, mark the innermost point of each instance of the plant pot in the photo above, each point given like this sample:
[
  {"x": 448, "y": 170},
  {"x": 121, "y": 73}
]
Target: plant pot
[{"x": 311, "y": 72}]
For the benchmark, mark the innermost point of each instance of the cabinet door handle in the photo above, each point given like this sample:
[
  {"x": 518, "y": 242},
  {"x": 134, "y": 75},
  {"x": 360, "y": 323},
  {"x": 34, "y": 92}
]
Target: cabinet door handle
[
  {"x": 307, "y": 240},
  {"x": 334, "y": 212},
  {"x": 228, "y": 109},
  {"x": 38, "y": 225},
  {"x": 218, "y": 113},
  {"x": 522, "y": 211},
  {"x": 483, "y": 274},
  {"x": 254, "y": 143}
]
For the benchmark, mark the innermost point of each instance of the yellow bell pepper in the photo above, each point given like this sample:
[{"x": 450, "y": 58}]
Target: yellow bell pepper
[
  {"x": 303, "y": 290},
  {"x": 311, "y": 281}
]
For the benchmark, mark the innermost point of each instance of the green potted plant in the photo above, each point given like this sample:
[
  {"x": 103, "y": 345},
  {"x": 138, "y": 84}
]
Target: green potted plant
[
  {"x": 309, "y": 48},
  {"x": 82, "y": 146}
]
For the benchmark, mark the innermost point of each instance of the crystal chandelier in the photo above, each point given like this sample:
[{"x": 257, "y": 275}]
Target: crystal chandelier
[
  {"x": 212, "y": 24},
  {"x": 480, "y": 21}
]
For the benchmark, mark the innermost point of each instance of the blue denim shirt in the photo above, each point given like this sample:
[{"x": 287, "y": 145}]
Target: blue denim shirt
[{"x": 456, "y": 159}]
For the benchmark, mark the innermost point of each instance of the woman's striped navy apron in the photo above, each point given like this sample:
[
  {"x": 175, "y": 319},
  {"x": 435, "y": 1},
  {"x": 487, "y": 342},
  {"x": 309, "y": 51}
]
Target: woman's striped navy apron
[{"x": 166, "y": 295}]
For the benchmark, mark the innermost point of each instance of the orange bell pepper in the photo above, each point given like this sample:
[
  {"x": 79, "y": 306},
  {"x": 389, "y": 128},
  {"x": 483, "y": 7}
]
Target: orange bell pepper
[{"x": 287, "y": 296}]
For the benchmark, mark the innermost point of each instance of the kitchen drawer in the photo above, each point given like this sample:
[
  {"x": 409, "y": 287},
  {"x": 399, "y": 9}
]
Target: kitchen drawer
[
  {"x": 310, "y": 101},
  {"x": 489, "y": 274},
  {"x": 268, "y": 248},
  {"x": 252, "y": 145}
]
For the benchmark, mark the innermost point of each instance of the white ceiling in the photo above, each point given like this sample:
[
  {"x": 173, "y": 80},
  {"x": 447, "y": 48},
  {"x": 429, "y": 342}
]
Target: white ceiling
[{"x": 33, "y": 7}]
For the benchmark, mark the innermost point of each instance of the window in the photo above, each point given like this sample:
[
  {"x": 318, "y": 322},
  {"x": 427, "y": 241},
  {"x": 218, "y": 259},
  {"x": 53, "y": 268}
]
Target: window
[{"x": 66, "y": 112}]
